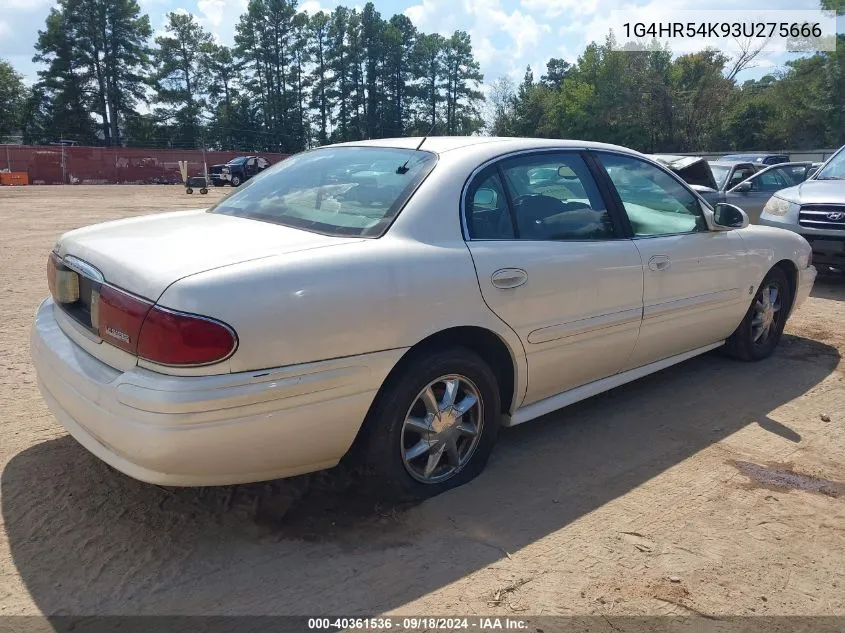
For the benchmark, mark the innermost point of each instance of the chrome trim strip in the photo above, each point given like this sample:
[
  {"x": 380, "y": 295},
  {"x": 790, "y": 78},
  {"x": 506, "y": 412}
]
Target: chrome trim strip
[
  {"x": 677, "y": 306},
  {"x": 585, "y": 326},
  {"x": 83, "y": 268}
]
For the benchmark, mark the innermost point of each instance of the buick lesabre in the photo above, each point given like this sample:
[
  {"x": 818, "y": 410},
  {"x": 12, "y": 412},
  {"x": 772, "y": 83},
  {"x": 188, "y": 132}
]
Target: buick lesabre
[{"x": 399, "y": 301}]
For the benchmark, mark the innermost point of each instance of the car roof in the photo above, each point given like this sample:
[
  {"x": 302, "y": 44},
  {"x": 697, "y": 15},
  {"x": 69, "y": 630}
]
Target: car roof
[
  {"x": 729, "y": 163},
  {"x": 441, "y": 144},
  {"x": 749, "y": 156}
]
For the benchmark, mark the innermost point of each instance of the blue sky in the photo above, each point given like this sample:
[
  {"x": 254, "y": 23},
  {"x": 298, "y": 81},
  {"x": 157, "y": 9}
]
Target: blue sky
[{"x": 506, "y": 34}]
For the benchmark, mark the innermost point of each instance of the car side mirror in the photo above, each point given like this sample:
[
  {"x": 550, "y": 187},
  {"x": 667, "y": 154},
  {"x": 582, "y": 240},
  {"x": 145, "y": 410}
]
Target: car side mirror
[
  {"x": 728, "y": 216},
  {"x": 743, "y": 187}
]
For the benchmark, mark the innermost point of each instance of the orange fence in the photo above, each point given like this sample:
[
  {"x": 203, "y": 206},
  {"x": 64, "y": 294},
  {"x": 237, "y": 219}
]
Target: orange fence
[
  {"x": 50, "y": 165},
  {"x": 14, "y": 178}
]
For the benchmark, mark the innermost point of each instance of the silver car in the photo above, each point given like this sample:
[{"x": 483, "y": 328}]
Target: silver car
[
  {"x": 815, "y": 209},
  {"x": 752, "y": 194}
]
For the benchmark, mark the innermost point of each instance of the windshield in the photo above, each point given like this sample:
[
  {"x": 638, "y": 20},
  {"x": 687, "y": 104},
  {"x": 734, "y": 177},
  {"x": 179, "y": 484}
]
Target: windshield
[
  {"x": 238, "y": 161},
  {"x": 834, "y": 169},
  {"x": 720, "y": 173},
  {"x": 335, "y": 191}
]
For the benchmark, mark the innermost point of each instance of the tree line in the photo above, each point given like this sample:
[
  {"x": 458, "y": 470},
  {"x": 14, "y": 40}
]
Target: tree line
[
  {"x": 648, "y": 100},
  {"x": 290, "y": 81}
]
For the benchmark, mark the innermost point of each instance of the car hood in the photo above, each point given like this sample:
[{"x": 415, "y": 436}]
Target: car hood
[
  {"x": 815, "y": 192},
  {"x": 145, "y": 255}
]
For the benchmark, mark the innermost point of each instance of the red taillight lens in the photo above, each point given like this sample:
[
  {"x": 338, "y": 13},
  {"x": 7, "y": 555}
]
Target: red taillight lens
[
  {"x": 118, "y": 317},
  {"x": 176, "y": 338}
]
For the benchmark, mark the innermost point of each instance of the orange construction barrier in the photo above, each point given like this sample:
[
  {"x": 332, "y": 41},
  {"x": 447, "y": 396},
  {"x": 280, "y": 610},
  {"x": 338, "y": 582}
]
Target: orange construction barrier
[{"x": 14, "y": 178}]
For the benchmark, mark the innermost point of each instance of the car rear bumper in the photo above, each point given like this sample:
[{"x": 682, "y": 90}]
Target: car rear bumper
[{"x": 206, "y": 430}]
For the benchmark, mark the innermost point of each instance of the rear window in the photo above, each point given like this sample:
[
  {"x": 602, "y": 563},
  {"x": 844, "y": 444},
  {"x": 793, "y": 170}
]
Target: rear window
[{"x": 353, "y": 191}]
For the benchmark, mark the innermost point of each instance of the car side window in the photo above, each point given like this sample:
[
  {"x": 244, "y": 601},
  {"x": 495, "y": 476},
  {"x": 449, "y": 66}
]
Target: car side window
[
  {"x": 487, "y": 213},
  {"x": 554, "y": 197},
  {"x": 740, "y": 174},
  {"x": 655, "y": 203},
  {"x": 772, "y": 180}
]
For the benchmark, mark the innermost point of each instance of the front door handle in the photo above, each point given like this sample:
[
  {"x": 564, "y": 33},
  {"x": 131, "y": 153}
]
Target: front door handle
[
  {"x": 659, "y": 262},
  {"x": 505, "y": 278}
]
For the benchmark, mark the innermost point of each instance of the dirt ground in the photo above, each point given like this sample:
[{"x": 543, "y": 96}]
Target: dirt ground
[{"x": 714, "y": 487}]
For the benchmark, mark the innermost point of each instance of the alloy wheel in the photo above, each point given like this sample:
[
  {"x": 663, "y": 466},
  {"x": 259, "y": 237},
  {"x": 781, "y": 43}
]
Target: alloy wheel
[{"x": 442, "y": 429}]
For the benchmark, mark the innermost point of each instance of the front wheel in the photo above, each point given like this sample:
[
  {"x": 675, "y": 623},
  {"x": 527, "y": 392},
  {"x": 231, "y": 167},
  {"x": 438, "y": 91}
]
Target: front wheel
[
  {"x": 433, "y": 426},
  {"x": 760, "y": 331},
  {"x": 236, "y": 180}
]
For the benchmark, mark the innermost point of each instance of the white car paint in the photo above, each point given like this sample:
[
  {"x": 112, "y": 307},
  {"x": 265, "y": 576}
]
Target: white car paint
[{"x": 321, "y": 321}]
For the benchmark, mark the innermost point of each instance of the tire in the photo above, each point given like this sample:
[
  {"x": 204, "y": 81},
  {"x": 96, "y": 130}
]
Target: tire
[
  {"x": 235, "y": 181},
  {"x": 189, "y": 190},
  {"x": 203, "y": 191},
  {"x": 391, "y": 472},
  {"x": 748, "y": 342}
]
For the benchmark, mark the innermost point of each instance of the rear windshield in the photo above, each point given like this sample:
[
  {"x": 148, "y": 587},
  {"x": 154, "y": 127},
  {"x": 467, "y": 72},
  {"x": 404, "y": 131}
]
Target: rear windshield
[{"x": 335, "y": 191}]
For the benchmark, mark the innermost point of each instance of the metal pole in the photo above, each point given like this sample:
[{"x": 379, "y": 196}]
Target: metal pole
[
  {"x": 8, "y": 159},
  {"x": 204, "y": 164}
]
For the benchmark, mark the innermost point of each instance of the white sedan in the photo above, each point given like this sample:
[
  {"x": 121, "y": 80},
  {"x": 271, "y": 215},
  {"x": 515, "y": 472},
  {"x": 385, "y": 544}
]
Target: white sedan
[{"x": 396, "y": 302}]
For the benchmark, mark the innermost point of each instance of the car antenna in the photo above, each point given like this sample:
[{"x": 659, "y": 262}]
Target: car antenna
[{"x": 403, "y": 168}]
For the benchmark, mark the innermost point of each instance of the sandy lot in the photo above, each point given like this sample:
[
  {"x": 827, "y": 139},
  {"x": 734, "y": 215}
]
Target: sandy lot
[{"x": 715, "y": 487}]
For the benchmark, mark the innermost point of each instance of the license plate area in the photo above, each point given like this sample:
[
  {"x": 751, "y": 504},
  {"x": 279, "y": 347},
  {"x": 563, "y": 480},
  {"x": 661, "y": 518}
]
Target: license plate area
[
  {"x": 75, "y": 294},
  {"x": 828, "y": 246}
]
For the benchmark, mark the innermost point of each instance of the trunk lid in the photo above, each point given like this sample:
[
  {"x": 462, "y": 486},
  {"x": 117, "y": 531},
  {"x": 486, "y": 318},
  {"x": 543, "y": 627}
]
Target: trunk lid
[{"x": 145, "y": 255}]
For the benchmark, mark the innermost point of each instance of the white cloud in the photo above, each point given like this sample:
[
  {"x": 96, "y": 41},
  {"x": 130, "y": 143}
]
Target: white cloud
[
  {"x": 212, "y": 12},
  {"x": 312, "y": 7}
]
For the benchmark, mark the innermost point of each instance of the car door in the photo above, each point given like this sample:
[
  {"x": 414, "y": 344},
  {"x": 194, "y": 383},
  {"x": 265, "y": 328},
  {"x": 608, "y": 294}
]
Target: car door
[
  {"x": 694, "y": 288},
  {"x": 553, "y": 263},
  {"x": 752, "y": 194},
  {"x": 738, "y": 174}
]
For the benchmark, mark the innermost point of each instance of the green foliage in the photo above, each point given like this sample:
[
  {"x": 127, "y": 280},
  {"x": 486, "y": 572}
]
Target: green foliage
[
  {"x": 13, "y": 97},
  {"x": 289, "y": 82},
  {"x": 96, "y": 58},
  {"x": 642, "y": 98}
]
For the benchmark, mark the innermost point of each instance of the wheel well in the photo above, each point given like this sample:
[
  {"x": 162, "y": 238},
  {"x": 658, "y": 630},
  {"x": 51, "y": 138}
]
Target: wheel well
[
  {"x": 791, "y": 270},
  {"x": 483, "y": 342}
]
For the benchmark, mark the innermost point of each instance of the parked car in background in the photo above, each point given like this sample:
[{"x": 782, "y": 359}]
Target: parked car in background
[
  {"x": 753, "y": 193},
  {"x": 695, "y": 171},
  {"x": 728, "y": 174},
  {"x": 399, "y": 323},
  {"x": 237, "y": 170},
  {"x": 761, "y": 159},
  {"x": 815, "y": 209}
]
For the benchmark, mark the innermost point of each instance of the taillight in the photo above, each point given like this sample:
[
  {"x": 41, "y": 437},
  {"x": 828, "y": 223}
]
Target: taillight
[
  {"x": 177, "y": 338},
  {"x": 118, "y": 316},
  {"x": 157, "y": 334}
]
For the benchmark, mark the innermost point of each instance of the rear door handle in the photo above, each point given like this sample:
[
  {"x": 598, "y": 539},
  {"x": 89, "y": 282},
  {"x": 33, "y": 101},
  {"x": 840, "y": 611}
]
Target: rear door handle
[
  {"x": 505, "y": 278},
  {"x": 659, "y": 262}
]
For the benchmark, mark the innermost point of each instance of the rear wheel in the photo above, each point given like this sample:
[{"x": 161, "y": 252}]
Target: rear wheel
[
  {"x": 432, "y": 427},
  {"x": 760, "y": 331}
]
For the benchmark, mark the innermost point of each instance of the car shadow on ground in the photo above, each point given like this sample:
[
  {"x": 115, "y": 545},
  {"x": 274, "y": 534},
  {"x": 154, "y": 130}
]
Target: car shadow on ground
[
  {"x": 88, "y": 540},
  {"x": 830, "y": 286}
]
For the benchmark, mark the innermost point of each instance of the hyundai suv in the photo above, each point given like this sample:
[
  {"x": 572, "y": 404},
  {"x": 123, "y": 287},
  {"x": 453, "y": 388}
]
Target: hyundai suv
[{"x": 815, "y": 209}]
